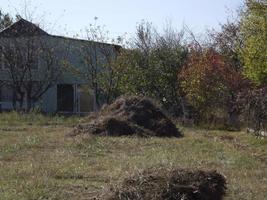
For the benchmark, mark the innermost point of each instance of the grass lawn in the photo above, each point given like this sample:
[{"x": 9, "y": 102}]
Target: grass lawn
[{"x": 39, "y": 162}]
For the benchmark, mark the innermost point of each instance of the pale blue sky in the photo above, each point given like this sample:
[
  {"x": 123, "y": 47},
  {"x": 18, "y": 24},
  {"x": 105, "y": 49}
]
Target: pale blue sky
[{"x": 68, "y": 17}]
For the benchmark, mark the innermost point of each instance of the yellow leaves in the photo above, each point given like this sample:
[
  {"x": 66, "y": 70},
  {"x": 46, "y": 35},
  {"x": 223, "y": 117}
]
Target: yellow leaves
[{"x": 254, "y": 30}]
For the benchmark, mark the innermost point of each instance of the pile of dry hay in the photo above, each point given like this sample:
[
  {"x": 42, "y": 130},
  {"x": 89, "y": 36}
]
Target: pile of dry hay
[
  {"x": 130, "y": 115},
  {"x": 162, "y": 184}
]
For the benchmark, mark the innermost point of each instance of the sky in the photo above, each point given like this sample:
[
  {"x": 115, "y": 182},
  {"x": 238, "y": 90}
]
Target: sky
[{"x": 120, "y": 17}]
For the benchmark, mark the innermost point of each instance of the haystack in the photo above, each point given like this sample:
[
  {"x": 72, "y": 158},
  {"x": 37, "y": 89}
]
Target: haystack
[
  {"x": 130, "y": 115},
  {"x": 162, "y": 184}
]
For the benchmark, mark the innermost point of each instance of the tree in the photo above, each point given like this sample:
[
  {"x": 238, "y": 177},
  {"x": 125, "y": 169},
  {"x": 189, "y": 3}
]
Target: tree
[
  {"x": 98, "y": 57},
  {"x": 254, "y": 104},
  {"x": 5, "y": 20},
  {"x": 30, "y": 62},
  {"x": 211, "y": 84},
  {"x": 228, "y": 42},
  {"x": 137, "y": 64},
  {"x": 151, "y": 64},
  {"x": 254, "y": 32}
]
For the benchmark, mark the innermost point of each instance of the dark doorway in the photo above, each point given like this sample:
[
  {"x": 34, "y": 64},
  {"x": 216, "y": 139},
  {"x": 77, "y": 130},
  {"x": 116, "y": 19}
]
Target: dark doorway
[{"x": 65, "y": 98}]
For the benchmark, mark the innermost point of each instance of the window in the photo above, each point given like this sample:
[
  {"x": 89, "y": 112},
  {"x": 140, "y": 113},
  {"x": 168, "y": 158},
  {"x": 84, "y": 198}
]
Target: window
[{"x": 6, "y": 94}]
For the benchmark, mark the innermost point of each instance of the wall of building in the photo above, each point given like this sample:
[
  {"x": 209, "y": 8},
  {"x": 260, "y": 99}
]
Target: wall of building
[
  {"x": 48, "y": 102},
  {"x": 69, "y": 51}
]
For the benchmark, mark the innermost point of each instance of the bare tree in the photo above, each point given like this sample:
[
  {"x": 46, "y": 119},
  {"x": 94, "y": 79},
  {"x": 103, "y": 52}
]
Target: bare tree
[
  {"x": 31, "y": 64},
  {"x": 5, "y": 20},
  {"x": 98, "y": 57}
]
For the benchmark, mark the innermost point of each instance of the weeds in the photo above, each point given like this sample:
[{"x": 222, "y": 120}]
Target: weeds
[{"x": 39, "y": 161}]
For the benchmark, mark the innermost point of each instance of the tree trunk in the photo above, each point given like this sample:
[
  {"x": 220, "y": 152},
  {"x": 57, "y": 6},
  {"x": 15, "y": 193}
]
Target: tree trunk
[
  {"x": 184, "y": 111},
  {"x": 233, "y": 123},
  {"x": 14, "y": 100},
  {"x": 30, "y": 101},
  {"x": 21, "y": 101},
  {"x": 97, "y": 104},
  {"x": 28, "y": 104}
]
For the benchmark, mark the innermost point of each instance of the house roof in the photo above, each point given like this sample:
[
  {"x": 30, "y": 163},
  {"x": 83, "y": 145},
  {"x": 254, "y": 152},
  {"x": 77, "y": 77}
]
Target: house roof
[
  {"x": 22, "y": 28},
  {"x": 25, "y": 28}
]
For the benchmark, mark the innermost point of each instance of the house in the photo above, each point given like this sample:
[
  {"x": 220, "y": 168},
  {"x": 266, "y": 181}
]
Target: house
[{"x": 69, "y": 92}]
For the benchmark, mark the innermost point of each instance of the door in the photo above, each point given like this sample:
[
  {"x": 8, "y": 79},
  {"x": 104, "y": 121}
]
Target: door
[
  {"x": 86, "y": 99},
  {"x": 65, "y": 98}
]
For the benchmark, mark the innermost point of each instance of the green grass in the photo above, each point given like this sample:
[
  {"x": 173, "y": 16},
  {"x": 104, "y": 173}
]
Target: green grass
[
  {"x": 39, "y": 162},
  {"x": 12, "y": 119}
]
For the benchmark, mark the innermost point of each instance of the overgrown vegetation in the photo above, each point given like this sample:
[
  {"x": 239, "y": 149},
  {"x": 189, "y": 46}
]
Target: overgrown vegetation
[
  {"x": 150, "y": 66},
  {"x": 218, "y": 82},
  {"x": 199, "y": 81},
  {"x": 253, "y": 31},
  {"x": 38, "y": 161}
]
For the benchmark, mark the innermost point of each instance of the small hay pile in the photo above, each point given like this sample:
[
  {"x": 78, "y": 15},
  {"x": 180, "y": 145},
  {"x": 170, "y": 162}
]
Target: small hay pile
[
  {"x": 162, "y": 184},
  {"x": 130, "y": 115}
]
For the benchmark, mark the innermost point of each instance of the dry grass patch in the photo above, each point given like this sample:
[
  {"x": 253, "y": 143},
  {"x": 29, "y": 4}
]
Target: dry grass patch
[
  {"x": 164, "y": 184},
  {"x": 41, "y": 162}
]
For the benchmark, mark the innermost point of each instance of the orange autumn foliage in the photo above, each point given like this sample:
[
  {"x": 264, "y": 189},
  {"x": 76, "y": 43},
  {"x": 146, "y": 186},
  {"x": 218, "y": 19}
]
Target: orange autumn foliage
[{"x": 209, "y": 82}]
